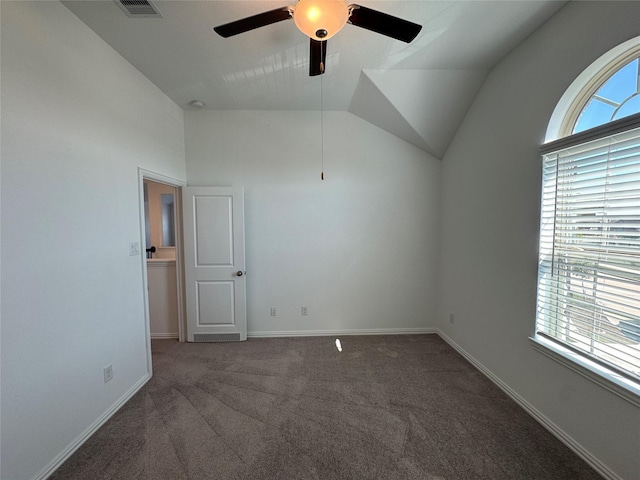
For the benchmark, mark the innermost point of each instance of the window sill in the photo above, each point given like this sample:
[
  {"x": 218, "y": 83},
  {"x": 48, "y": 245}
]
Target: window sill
[{"x": 623, "y": 387}]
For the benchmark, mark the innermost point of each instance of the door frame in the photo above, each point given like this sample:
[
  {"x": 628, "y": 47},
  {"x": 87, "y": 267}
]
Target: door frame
[{"x": 177, "y": 184}]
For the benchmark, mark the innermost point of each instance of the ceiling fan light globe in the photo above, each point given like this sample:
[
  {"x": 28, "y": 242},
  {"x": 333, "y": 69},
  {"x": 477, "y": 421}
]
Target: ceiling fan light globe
[{"x": 313, "y": 16}]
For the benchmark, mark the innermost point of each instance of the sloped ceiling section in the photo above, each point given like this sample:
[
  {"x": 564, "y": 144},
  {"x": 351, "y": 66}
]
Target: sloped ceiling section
[
  {"x": 418, "y": 91},
  {"x": 423, "y": 107}
]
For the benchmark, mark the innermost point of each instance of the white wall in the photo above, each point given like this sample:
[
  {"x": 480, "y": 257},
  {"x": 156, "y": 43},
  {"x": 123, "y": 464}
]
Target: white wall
[
  {"x": 77, "y": 121},
  {"x": 358, "y": 249},
  {"x": 163, "y": 301},
  {"x": 491, "y": 189}
]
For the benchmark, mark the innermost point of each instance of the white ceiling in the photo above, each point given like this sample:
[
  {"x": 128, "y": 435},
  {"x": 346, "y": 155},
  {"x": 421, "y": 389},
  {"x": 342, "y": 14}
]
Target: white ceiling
[{"x": 419, "y": 92}]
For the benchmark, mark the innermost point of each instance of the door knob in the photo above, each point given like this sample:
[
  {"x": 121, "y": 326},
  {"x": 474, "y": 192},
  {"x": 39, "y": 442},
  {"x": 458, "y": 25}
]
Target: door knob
[{"x": 239, "y": 273}]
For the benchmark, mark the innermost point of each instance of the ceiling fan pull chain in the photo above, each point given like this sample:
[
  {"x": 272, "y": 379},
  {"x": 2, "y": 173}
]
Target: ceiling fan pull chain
[{"x": 322, "y": 114}]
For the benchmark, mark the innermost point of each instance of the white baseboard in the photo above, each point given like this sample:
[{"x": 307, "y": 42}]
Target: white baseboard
[
  {"x": 328, "y": 333},
  {"x": 158, "y": 336},
  {"x": 556, "y": 431},
  {"x": 93, "y": 428}
]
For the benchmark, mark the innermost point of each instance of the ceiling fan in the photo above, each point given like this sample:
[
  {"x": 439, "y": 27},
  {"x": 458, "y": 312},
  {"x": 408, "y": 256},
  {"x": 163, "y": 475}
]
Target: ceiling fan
[{"x": 320, "y": 20}]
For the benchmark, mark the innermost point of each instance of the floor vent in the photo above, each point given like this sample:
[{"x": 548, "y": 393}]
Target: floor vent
[
  {"x": 138, "y": 8},
  {"x": 216, "y": 337}
]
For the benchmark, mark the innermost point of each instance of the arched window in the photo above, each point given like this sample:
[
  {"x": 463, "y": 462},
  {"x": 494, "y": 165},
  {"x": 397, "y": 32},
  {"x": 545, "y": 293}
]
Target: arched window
[
  {"x": 588, "y": 305},
  {"x": 617, "y": 97}
]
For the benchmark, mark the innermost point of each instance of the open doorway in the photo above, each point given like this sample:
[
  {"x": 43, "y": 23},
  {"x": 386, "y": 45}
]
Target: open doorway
[
  {"x": 160, "y": 248},
  {"x": 162, "y": 254}
]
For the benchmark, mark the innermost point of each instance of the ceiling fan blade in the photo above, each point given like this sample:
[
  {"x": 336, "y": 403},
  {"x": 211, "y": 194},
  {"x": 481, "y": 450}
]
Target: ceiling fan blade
[
  {"x": 317, "y": 57},
  {"x": 383, "y": 23},
  {"x": 253, "y": 22}
]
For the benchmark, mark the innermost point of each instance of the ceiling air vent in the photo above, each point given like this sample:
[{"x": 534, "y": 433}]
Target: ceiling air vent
[{"x": 138, "y": 8}]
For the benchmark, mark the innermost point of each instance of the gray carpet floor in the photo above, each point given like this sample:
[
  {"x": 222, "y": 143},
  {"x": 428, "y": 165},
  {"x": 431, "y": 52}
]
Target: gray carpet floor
[{"x": 385, "y": 407}]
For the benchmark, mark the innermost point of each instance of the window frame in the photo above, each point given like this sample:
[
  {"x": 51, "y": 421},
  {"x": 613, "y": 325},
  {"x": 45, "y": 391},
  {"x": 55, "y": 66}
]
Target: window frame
[
  {"x": 610, "y": 379},
  {"x": 590, "y": 88}
]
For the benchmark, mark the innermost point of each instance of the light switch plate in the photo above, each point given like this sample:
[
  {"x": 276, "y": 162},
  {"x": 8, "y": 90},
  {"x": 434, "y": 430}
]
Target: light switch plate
[
  {"x": 134, "y": 248},
  {"x": 108, "y": 373}
]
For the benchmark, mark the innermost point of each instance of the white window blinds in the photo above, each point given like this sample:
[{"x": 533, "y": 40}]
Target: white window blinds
[{"x": 589, "y": 267}]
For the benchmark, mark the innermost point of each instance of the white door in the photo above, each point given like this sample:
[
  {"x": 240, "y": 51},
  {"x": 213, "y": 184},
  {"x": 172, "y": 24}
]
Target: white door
[{"x": 214, "y": 263}]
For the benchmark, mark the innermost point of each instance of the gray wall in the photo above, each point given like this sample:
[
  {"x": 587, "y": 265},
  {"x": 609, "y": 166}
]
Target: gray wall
[
  {"x": 491, "y": 190},
  {"x": 359, "y": 249},
  {"x": 77, "y": 121}
]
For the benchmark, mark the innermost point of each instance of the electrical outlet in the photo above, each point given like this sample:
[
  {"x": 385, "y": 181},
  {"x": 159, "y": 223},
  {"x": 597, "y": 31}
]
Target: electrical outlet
[
  {"x": 304, "y": 310},
  {"x": 274, "y": 311},
  {"x": 452, "y": 318},
  {"x": 108, "y": 373}
]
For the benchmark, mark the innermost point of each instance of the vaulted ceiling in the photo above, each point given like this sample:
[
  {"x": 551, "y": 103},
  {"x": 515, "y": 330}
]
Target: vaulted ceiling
[{"x": 420, "y": 91}]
